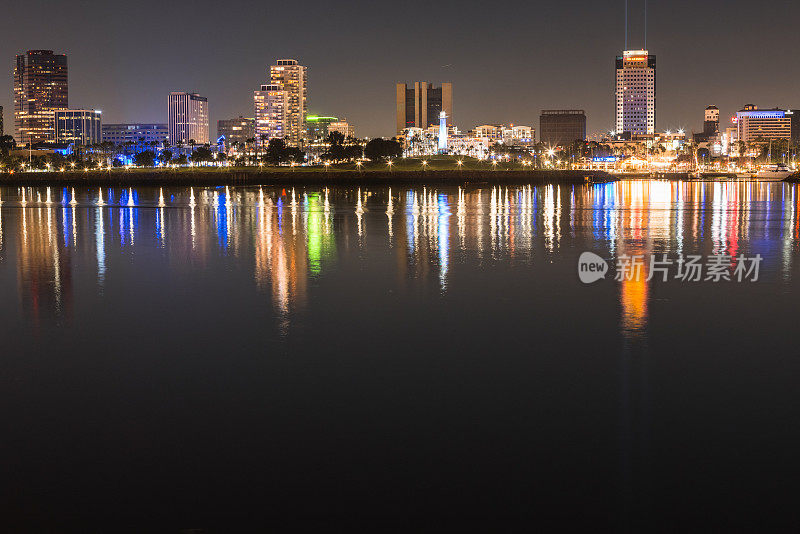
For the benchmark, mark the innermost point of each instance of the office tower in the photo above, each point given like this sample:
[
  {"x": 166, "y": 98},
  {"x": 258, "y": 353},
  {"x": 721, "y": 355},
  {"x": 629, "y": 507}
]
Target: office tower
[
  {"x": 188, "y": 119},
  {"x": 317, "y": 127},
  {"x": 636, "y": 93},
  {"x": 420, "y": 106},
  {"x": 40, "y": 88},
  {"x": 236, "y": 131},
  {"x": 271, "y": 107},
  {"x": 560, "y": 127},
  {"x": 761, "y": 125},
  {"x": 711, "y": 120},
  {"x": 138, "y": 134},
  {"x": 78, "y": 126},
  {"x": 292, "y": 78},
  {"x": 2, "y": 131}
]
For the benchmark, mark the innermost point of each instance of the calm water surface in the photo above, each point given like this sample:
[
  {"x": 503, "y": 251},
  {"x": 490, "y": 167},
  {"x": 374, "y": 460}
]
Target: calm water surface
[{"x": 187, "y": 357}]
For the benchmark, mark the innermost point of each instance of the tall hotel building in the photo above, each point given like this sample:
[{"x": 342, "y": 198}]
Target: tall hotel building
[
  {"x": 293, "y": 79},
  {"x": 636, "y": 93},
  {"x": 420, "y": 106},
  {"x": 40, "y": 88},
  {"x": 188, "y": 119},
  {"x": 271, "y": 108}
]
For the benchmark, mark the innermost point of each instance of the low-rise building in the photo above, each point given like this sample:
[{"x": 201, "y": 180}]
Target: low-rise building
[
  {"x": 317, "y": 127},
  {"x": 560, "y": 127},
  {"x": 343, "y": 127},
  {"x": 136, "y": 134},
  {"x": 236, "y": 131},
  {"x": 762, "y": 125},
  {"x": 78, "y": 126}
]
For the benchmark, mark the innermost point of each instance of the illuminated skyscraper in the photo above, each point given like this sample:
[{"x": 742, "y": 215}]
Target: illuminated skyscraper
[
  {"x": 636, "y": 93},
  {"x": 271, "y": 108},
  {"x": 420, "y": 106},
  {"x": 291, "y": 77},
  {"x": 40, "y": 88},
  {"x": 188, "y": 119}
]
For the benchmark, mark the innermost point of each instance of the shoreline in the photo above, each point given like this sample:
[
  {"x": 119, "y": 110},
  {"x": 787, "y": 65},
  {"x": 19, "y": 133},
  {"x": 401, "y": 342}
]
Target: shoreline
[{"x": 310, "y": 177}]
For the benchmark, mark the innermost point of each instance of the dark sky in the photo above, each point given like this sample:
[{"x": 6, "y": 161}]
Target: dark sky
[{"x": 507, "y": 61}]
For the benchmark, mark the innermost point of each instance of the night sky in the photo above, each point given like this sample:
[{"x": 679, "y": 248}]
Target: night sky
[{"x": 507, "y": 61}]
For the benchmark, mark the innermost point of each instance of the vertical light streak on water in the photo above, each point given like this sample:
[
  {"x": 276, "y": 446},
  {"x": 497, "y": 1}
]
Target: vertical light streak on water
[
  {"x": 548, "y": 216},
  {"x": 493, "y": 219},
  {"x": 74, "y": 229},
  {"x": 294, "y": 211},
  {"x": 461, "y": 216},
  {"x": 359, "y": 214},
  {"x": 558, "y": 217},
  {"x": 409, "y": 215},
  {"x": 228, "y": 218},
  {"x": 279, "y": 213},
  {"x": 679, "y": 205},
  {"x": 100, "y": 247},
  {"x": 390, "y": 215},
  {"x": 443, "y": 235},
  {"x": 788, "y": 231}
]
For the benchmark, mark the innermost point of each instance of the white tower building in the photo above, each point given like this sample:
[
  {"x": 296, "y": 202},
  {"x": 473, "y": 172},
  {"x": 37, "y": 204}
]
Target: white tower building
[{"x": 636, "y": 93}]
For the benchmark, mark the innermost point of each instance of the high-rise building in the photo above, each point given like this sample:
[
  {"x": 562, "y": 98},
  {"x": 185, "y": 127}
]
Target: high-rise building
[
  {"x": 136, "y": 134},
  {"x": 560, "y": 127},
  {"x": 292, "y": 78},
  {"x": 2, "y": 131},
  {"x": 236, "y": 131},
  {"x": 40, "y": 88},
  {"x": 271, "y": 105},
  {"x": 420, "y": 106},
  {"x": 636, "y": 93},
  {"x": 317, "y": 127},
  {"x": 188, "y": 119},
  {"x": 756, "y": 125},
  {"x": 78, "y": 126}
]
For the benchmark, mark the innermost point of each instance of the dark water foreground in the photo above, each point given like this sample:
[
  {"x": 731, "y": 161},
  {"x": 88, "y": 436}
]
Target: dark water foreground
[
  {"x": 302, "y": 176},
  {"x": 405, "y": 357}
]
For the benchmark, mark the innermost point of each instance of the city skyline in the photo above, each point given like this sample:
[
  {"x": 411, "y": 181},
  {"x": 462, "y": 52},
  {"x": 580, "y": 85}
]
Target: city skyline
[{"x": 547, "y": 68}]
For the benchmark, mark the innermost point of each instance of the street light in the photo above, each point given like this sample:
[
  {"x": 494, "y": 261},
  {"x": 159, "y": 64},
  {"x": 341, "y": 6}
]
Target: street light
[{"x": 390, "y": 163}]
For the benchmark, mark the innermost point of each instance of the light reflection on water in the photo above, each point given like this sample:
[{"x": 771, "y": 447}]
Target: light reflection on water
[{"x": 289, "y": 236}]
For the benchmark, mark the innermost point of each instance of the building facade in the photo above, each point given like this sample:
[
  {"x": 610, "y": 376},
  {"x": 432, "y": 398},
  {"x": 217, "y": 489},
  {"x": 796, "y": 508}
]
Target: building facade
[
  {"x": 271, "y": 103},
  {"x": 755, "y": 125},
  {"x": 40, "y": 88},
  {"x": 636, "y": 93},
  {"x": 292, "y": 77},
  {"x": 711, "y": 120},
  {"x": 236, "y": 131},
  {"x": 421, "y": 105},
  {"x": 188, "y": 119},
  {"x": 139, "y": 134},
  {"x": 343, "y": 127},
  {"x": 78, "y": 126},
  {"x": 317, "y": 127},
  {"x": 560, "y": 127}
]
